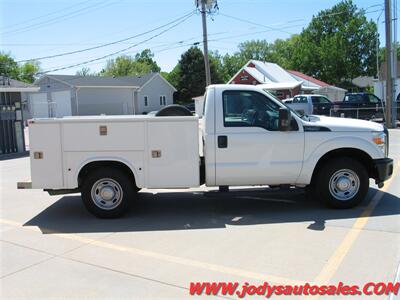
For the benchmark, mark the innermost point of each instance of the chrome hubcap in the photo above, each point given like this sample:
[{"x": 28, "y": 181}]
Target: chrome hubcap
[
  {"x": 106, "y": 193},
  {"x": 344, "y": 184}
]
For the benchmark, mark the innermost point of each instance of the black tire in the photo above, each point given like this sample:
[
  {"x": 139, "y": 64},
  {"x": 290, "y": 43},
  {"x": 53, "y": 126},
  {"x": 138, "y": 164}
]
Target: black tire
[
  {"x": 119, "y": 182},
  {"x": 352, "y": 171},
  {"x": 173, "y": 110}
]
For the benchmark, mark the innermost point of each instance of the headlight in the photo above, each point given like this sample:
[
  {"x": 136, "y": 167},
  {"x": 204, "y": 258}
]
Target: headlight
[{"x": 379, "y": 139}]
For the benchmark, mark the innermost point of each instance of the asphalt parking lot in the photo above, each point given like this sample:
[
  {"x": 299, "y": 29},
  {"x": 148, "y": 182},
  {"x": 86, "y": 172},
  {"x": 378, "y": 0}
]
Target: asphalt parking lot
[{"x": 52, "y": 248}]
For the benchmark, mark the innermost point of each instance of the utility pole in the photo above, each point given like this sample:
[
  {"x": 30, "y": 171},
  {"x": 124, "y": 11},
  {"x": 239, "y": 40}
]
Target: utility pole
[
  {"x": 395, "y": 87},
  {"x": 205, "y": 42},
  {"x": 388, "y": 54}
]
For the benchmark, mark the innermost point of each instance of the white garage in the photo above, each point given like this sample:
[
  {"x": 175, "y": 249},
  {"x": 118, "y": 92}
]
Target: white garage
[
  {"x": 60, "y": 104},
  {"x": 38, "y": 105},
  {"x": 50, "y": 105}
]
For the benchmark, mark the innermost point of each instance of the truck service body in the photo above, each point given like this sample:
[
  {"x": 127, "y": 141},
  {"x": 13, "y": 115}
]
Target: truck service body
[{"x": 246, "y": 137}]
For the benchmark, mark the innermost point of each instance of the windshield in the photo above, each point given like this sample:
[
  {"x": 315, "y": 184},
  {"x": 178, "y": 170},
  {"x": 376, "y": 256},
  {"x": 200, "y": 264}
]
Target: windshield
[{"x": 303, "y": 117}]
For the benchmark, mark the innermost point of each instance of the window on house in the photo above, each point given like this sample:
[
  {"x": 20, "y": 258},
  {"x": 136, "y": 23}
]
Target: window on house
[
  {"x": 162, "y": 100},
  {"x": 146, "y": 102}
]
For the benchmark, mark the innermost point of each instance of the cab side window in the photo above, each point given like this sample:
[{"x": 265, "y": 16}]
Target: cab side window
[
  {"x": 319, "y": 100},
  {"x": 300, "y": 99},
  {"x": 353, "y": 98},
  {"x": 373, "y": 99},
  {"x": 250, "y": 109}
]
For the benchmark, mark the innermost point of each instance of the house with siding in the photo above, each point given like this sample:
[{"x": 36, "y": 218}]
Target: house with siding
[
  {"x": 272, "y": 76},
  {"x": 73, "y": 95},
  {"x": 283, "y": 83}
]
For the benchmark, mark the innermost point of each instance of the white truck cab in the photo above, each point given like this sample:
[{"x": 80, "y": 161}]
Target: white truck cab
[{"x": 247, "y": 137}]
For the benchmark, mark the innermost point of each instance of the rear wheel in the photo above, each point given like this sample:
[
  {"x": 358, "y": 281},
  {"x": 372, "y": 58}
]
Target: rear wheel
[
  {"x": 107, "y": 192},
  {"x": 341, "y": 183}
]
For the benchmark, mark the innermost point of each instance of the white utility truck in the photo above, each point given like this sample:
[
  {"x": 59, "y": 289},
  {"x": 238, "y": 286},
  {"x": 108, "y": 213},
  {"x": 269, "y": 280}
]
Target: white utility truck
[{"x": 247, "y": 137}]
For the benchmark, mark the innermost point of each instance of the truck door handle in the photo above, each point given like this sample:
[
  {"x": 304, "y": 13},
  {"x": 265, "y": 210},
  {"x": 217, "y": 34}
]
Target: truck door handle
[{"x": 222, "y": 141}]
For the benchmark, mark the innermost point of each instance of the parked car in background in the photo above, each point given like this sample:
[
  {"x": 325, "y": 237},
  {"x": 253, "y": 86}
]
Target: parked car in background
[
  {"x": 287, "y": 100},
  {"x": 311, "y": 104},
  {"x": 190, "y": 106},
  {"x": 360, "y": 106}
]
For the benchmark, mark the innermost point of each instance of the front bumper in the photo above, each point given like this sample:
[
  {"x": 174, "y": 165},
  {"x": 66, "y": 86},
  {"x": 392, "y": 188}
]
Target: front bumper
[{"x": 383, "y": 170}]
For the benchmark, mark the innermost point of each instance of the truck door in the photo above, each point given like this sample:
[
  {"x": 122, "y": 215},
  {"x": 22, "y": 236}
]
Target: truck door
[
  {"x": 375, "y": 105},
  {"x": 322, "y": 105},
  {"x": 301, "y": 105},
  {"x": 249, "y": 148}
]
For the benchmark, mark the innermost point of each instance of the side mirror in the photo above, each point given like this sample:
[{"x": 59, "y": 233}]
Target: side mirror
[{"x": 285, "y": 118}]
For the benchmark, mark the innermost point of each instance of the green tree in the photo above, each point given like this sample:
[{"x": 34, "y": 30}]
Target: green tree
[
  {"x": 173, "y": 76},
  {"x": 189, "y": 77},
  {"x": 8, "y": 66},
  {"x": 26, "y": 72},
  {"x": 382, "y": 53},
  {"x": 338, "y": 45},
  {"x": 256, "y": 49},
  {"x": 125, "y": 65},
  {"x": 232, "y": 64},
  {"x": 217, "y": 67},
  {"x": 146, "y": 56}
]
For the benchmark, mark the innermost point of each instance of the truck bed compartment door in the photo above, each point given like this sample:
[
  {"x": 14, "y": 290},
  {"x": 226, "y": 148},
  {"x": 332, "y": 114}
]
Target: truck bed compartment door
[
  {"x": 173, "y": 154},
  {"x": 46, "y": 155}
]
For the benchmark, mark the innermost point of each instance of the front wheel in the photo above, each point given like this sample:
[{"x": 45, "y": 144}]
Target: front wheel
[
  {"x": 107, "y": 192},
  {"x": 342, "y": 183}
]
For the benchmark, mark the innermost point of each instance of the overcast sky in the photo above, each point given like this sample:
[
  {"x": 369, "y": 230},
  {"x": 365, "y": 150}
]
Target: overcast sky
[{"x": 37, "y": 28}]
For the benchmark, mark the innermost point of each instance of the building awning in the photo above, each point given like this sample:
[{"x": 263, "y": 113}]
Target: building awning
[
  {"x": 309, "y": 88},
  {"x": 19, "y": 89},
  {"x": 332, "y": 88}
]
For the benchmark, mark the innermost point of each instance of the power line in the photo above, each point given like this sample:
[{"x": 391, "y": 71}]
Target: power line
[
  {"x": 164, "y": 48},
  {"x": 162, "y": 45},
  {"x": 45, "y": 15},
  {"x": 57, "y": 19},
  {"x": 108, "y": 44},
  {"x": 119, "y": 51},
  {"x": 180, "y": 44},
  {"x": 278, "y": 29},
  {"x": 216, "y": 39},
  {"x": 253, "y": 23}
]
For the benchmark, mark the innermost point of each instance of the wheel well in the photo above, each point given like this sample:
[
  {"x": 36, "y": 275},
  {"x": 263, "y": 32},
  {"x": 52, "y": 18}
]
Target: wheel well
[
  {"x": 352, "y": 153},
  {"x": 104, "y": 163}
]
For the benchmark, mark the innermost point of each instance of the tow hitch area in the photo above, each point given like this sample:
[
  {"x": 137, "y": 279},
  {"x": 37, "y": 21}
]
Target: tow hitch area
[{"x": 24, "y": 185}]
